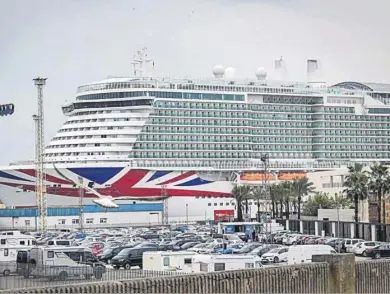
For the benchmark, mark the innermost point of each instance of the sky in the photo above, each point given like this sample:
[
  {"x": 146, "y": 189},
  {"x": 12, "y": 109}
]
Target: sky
[{"x": 76, "y": 42}]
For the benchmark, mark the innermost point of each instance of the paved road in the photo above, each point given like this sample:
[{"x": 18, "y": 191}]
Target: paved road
[{"x": 18, "y": 282}]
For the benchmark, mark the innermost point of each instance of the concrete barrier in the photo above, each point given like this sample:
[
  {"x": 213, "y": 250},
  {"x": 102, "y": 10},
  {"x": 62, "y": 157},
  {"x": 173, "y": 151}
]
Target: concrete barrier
[
  {"x": 373, "y": 276},
  {"x": 332, "y": 274}
]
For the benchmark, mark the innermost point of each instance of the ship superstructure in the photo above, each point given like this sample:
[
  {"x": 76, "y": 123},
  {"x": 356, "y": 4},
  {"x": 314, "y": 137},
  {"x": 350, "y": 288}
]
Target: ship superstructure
[{"x": 134, "y": 136}]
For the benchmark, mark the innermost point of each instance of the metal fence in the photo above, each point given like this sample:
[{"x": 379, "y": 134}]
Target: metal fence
[{"x": 50, "y": 276}]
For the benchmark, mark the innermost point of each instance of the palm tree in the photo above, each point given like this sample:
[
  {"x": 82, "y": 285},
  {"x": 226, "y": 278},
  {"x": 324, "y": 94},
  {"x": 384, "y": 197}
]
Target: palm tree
[
  {"x": 379, "y": 184},
  {"x": 286, "y": 190},
  {"x": 302, "y": 187},
  {"x": 356, "y": 188},
  {"x": 274, "y": 199},
  {"x": 258, "y": 194},
  {"x": 240, "y": 194}
]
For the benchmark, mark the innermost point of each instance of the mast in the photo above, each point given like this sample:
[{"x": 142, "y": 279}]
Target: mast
[{"x": 139, "y": 61}]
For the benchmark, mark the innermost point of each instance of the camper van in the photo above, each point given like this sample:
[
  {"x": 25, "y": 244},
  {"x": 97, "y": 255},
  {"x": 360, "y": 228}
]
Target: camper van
[
  {"x": 16, "y": 238},
  {"x": 168, "y": 261},
  {"x": 298, "y": 254},
  {"x": 60, "y": 242},
  {"x": 214, "y": 263},
  {"x": 59, "y": 263},
  {"x": 8, "y": 258}
]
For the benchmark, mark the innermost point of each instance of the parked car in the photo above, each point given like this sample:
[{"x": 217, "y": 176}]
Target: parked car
[
  {"x": 379, "y": 251},
  {"x": 363, "y": 247},
  {"x": 275, "y": 255}
]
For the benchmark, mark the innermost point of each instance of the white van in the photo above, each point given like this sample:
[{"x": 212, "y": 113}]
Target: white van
[{"x": 298, "y": 254}]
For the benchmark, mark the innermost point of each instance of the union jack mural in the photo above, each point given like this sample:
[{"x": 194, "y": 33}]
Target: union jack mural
[{"x": 117, "y": 182}]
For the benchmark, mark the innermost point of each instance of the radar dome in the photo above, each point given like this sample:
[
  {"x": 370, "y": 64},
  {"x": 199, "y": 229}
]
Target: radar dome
[
  {"x": 229, "y": 72},
  {"x": 261, "y": 73},
  {"x": 218, "y": 71}
]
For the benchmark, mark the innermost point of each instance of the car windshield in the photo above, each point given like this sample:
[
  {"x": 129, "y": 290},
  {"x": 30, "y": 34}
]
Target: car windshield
[
  {"x": 107, "y": 251},
  {"x": 199, "y": 246},
  {"x": 124, "y": 252}
]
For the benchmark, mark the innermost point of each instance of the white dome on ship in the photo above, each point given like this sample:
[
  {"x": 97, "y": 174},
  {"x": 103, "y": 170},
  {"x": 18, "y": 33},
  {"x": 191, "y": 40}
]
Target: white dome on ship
[
  {"x": 261, "y": 73},
  {"x": 218, "y": 71},
  {"x": 229, "y": 72}
]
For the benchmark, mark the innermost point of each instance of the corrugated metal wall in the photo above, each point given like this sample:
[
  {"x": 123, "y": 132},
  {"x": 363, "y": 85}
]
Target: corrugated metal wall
[{"x": 74, "y": 211}]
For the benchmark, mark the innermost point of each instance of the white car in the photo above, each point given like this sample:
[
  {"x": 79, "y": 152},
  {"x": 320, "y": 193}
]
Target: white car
[
  {"x": 291, "y": 239},
  {"x": 362, "y": 247},
  {"x": 275, "y": 255}
]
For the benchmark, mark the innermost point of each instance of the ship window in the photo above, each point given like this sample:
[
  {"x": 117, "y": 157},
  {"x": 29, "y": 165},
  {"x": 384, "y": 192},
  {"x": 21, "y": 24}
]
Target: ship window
[
  {"x": 2, "y": 241},
  {"x": 50, "y": 254},
  {"x": 207, "y": 204},
  {"x": 6, "y": 252}
]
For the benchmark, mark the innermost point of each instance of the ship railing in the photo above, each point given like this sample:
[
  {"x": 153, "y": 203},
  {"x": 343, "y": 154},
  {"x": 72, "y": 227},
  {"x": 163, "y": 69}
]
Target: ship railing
[
  {"x": 210, "y": 84},
  {"x": 240, "y": 165}
]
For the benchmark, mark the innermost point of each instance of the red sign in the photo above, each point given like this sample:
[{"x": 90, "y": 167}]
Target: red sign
[{"x": 223, "y": 214}]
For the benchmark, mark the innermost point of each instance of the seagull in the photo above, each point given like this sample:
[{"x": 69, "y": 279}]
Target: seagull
[{"x": 109, "y": 201}]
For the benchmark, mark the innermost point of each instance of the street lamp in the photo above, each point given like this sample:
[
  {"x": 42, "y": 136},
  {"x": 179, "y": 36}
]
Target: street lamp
[{"x": 187, "y": 214}]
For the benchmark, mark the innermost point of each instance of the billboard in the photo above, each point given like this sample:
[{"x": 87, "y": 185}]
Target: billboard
[{"x": 223, "y": 214}]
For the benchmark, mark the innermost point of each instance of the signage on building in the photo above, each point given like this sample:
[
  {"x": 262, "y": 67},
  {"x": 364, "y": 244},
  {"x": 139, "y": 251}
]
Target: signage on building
[{"x": 223, "y": 214}]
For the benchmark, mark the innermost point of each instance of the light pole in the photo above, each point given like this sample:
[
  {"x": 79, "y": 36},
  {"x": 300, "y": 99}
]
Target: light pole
[{"x": 187, "y": 214}]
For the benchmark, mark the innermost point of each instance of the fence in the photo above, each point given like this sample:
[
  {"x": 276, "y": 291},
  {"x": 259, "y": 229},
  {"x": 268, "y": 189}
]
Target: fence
[
  {"x": 335, "y": 273},
  {"x": 50, "y": 276}
]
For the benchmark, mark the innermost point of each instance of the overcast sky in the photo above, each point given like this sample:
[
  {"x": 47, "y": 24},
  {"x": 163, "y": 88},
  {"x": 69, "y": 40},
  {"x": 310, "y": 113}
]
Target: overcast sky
[{"x": 76, "y": 42}]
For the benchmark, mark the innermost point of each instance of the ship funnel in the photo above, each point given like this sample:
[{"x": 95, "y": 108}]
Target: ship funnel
[
  {"x": 314, "y": 72},
  {"x": 280, "y": 69}
]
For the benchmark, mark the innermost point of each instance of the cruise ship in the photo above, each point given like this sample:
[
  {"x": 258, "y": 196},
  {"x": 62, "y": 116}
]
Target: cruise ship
[{"x": 194, "y": 139}]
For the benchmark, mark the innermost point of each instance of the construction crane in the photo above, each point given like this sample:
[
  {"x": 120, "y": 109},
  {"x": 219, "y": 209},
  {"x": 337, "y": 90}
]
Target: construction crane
[
  {"x": 165, "y": 197},
  {"x": 40, "y": 175}
]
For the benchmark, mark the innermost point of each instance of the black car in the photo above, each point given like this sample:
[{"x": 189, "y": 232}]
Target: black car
[
  {"x": 130, "y": 257},
  {"x": 109, "y": 253},
  {"x": 379, "y": 251}
]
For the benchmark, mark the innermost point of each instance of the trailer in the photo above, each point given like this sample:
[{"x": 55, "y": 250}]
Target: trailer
[
  {"x": 168, "y": 260},
  {"x": 220, "y": 262}
]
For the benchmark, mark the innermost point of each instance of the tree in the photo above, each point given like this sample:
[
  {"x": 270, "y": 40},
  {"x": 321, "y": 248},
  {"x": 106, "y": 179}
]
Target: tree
[
  {"x": 286, "y": 191},
  {"x": 317, "y": 201},
  {"x": 379, "y": 184},
  {"x": 302, "y": 187},
  {"x": 356, "y": 188},
  {"x": 241, "y": 193},
  {"x": 273, "y": 190}
]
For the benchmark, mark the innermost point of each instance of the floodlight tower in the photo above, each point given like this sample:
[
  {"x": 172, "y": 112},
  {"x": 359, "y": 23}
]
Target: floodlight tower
[
  {"x": 40, "y": 175},
  {"x": 165, "y": 220}
]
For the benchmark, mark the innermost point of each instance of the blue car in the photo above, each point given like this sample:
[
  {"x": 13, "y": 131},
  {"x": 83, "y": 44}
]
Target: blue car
[{"x": 229, "y": 249}]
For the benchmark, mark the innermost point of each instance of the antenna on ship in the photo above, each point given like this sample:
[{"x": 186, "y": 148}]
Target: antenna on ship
[{"x": 139, "y": 61}]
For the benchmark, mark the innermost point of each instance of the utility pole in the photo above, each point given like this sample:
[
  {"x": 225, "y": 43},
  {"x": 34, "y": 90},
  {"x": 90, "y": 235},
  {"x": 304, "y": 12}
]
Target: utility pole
[
  {"x": 81, "y": 205},
  {"x": 40, "y": 175}
]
